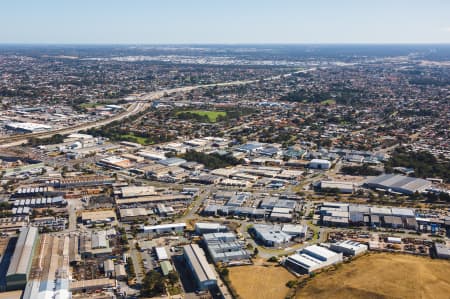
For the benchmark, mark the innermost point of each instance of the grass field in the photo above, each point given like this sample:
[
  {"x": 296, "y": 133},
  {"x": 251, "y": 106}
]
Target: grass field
[
  {"x": 212, "y": 115},
  {"x": 131, "y": 137},
  {"x": 260, "y": 282},
  {"x": 383, "y": 276},
  {"x": 329, "y": 102}
]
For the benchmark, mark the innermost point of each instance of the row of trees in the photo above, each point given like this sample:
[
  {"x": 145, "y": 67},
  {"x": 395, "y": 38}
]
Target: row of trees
[
  {"x": 55, "y": 139},
  {"x": 424, "y": 164},
  {"x": 211, "y": 161},
  {"x": 364, "y": 170}
]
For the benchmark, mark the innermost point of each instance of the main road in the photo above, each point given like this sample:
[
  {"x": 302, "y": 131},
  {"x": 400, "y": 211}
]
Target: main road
[{"x": 142, "y": 103}]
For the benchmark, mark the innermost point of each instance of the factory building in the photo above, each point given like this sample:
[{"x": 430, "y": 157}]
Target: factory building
[
  {"x": 137, "y": 191},
  {"x": 161, "y": 253},
  {"x": 295, "y": 230},
  {"x": 398, "y": 183},
  {"x": 27, "y": 127},
  {"x": 343, "y": 187},
  {"x": 312, "y": 258},
  {"x": 165, "y": 228},
  {"x": 82, "y": 181},
  {"x": 209, "y": 227},
  {"x": 319, "y": 164},
  {"x": 349, "y": 247},
  {"x": 20, "y": 266},
  {"x": 201, "y": 270},
  {"x": 55, "y": 282},
  {"x": 442, "y": 251},
  {"x": 224, "y": 247},
  {"x": 133, "y": 214},
  {"x": 103, "y": 217},
  {"x": 271, "y": 235},
  {"x": 166, "y": 267}
]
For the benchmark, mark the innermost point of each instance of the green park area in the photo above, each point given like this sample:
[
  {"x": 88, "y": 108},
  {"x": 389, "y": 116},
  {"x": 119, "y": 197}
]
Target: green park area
[
  {"x": 210, "y": 115},
  {"x": 329, "y": 102}
]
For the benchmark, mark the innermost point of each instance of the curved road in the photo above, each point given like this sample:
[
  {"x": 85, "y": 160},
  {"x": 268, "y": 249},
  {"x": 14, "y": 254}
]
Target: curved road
[{"x": 142, "y": 103}]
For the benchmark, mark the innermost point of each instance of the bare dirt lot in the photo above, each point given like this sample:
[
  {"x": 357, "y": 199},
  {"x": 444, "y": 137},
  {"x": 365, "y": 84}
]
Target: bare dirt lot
[
  {"x": 383, "y": 276},
  {"x": 261, "y": 282}
]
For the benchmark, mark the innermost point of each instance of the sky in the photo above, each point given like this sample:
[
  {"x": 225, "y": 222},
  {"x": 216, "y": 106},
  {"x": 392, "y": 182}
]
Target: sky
[{"x": 224, "y": 21}]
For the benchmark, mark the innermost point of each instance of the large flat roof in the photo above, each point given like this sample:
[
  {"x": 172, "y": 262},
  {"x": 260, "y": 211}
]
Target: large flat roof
[
  {"x": 23, "y": 253},
  {"x": 199, "y": 263}
]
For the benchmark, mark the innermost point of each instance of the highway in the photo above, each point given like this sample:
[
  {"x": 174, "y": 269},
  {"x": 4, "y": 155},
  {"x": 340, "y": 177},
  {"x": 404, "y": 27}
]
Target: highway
[{"x": 142, "y": 103}]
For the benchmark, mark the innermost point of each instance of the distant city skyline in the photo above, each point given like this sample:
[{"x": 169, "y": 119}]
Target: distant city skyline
[{"x": 224, "y": 22}]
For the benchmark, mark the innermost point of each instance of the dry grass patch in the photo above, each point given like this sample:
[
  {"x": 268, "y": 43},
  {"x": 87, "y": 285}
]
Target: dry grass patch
[
  {"x": 261, "y": 282},
  {"x": 383, "y": 276}
]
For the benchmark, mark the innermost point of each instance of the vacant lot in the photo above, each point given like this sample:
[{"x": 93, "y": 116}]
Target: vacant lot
[
  {"x": 212, "y": 115},
  {"x": 260, "y": 281},
  {"x": 383, "y": 276}
]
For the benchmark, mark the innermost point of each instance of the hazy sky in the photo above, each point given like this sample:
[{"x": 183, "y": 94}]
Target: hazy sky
[{"x": 225, "y": 21}]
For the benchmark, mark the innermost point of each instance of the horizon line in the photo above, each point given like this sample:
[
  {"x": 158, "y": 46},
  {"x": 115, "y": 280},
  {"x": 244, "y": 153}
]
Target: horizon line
[{"x": 225, "y": 44}]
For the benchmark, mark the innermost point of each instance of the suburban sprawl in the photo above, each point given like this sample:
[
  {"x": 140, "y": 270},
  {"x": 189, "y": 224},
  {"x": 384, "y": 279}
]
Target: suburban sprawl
[{"x": 198, "y": 172}]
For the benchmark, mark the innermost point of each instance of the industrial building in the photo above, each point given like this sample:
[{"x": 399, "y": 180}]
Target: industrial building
[
  {"x": 201, "y": 270},
  {"x": 398, "y": 183},
  {"x": 133, "y": 214},
  {"x": 53, "y": 281},
  {"x": 349, "y": 247},
  {"x": 271, "y": 235},
  {"x": 209, "y": 227},
  {"x": 165, "y": 228},
  {"x": 295, "y": 230},
  {"x": 442, "y": 251},
  {"x": 161, "y": 253},
  {"x": 224, "y": 247},
  {"x": 312, "y": 258},
  {"x": 114, "y": 162},
  {"x": 166, "y": 267},
  {"x": 319, "y": 164},
  {"x": 343, "y": 187},
  {"x": 27, "y": 127},
  {"x": 99, "y": 217},
  {"x": 82, "y": 181},
  {"x": 136, "y": 191},
  {"x": 20, "y": 266},
  {"x": 343, "y": 214}
]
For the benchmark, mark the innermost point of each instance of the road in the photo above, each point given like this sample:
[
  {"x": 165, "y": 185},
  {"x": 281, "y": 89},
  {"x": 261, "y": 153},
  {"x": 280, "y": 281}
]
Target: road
[{"x": 142, "y": 103}]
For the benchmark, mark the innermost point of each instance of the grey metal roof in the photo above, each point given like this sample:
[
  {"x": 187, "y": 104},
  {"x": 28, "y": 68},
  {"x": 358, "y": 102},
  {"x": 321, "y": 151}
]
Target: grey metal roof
[
  {"x": 198, "y": 261},
  {"x": 23, "y": 253}
]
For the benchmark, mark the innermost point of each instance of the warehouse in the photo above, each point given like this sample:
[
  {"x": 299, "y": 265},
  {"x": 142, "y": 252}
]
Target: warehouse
[
  {"x": 271, "y": 235},
  {"x": 133, "y": 214},
  {"x": 349, "y": 247},
  {"x": 442, "y": 251},
  {"x": 120, "y": 272},
  {"x": 54, "y": 260},
  {"x": 165, "y": 228},
  {"x": 295, "y": 230},
  {"x": 92, "y": 284},
  {"x": 398, "y": 183},
  {"x": 19, "y": 268},
  {"x": 319, "y": 164},
  {"x": 115, "y": 162},
  {"x": 136, "y": 191},
  {"x": 99, "y": 217},
  {"x": 209, "y": 227},
  {"x": 153, "y": 199},
  {"x": 27, "y": 127},
  {"x": 201, "y": 270},
  {"x": 343, "y": 187},
  {"x": 312, "y": 258},
  {"x": 161, "y": 253},
  {"x": 225, "y": 248},
  {"x": 166, "y": 267}
]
